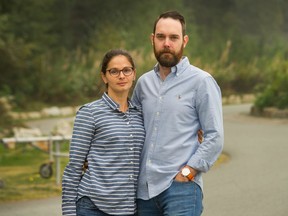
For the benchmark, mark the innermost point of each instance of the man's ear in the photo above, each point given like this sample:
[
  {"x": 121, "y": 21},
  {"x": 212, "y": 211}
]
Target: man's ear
[
  {"x": 185, "y": 40},
  {"x": 152, "y": 39}
]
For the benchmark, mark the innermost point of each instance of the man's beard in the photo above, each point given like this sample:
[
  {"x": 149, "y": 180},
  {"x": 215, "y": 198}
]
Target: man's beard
[{"x": 167, "y": 58}]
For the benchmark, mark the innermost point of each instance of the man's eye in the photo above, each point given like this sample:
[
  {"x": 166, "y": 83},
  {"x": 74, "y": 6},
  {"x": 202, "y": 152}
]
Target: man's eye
[
  {"x": 160, "y": 37},
  {"x": 173, "y": 38}
]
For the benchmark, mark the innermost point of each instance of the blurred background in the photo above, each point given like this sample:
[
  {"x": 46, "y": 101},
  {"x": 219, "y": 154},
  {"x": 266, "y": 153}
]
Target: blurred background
[{"x": 50, "y": 54}]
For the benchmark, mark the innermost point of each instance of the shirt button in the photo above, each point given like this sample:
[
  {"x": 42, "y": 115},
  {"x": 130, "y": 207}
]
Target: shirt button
[
  {"x": 131, "y": 149},
  {"x": 157, "y": 113},
  {"x": 128, "y": 123},
  {"x": 131, "y": 135}
]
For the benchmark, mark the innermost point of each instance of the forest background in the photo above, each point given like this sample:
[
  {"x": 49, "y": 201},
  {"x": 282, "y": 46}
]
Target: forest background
[{"x": 50, "y": 50}]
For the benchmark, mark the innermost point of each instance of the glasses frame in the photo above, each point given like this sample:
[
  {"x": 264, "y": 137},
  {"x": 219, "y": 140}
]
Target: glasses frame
[{"x": 119, "y": 71}]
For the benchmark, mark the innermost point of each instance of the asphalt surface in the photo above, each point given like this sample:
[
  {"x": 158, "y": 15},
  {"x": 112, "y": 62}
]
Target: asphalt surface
[{"x": 253, "y": 182}]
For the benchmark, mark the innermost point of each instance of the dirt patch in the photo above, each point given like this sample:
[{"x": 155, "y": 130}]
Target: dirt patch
[{"x": 223, "y": 158}]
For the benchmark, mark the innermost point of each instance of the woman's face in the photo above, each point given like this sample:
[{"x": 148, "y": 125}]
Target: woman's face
[{"x": 119, "y": 83}]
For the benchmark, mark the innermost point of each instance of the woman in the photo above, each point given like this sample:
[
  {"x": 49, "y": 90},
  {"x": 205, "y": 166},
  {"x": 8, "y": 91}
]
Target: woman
[{"x": 109, "y": 134}]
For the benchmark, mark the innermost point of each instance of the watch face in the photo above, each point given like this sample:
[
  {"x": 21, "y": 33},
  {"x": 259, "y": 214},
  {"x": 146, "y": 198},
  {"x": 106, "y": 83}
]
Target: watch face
[{"x": 185, "y": 171}]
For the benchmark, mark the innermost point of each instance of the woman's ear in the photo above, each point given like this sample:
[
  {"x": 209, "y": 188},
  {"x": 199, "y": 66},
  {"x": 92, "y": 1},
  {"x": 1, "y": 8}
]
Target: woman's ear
[
  {"x": 104, "y": 78},
  {"x": 134, "y": 75}
]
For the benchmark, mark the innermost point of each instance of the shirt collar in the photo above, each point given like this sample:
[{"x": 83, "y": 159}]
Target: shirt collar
[
  {"x": 177, "y": 69},
  {"x": 115, "y": 106}
]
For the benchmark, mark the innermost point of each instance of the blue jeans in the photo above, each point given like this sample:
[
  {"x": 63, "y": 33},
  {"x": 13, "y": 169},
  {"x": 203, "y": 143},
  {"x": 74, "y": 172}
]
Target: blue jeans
[
  {"x": 180, "y": 199},
  {"x": 85, "y": 207}
]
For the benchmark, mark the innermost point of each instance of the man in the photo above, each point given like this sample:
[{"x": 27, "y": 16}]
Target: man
[{"x": 177, "y": 99}]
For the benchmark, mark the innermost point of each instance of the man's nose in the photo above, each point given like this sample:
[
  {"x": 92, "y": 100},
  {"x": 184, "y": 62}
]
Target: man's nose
[{"x": 167, "y": 42}]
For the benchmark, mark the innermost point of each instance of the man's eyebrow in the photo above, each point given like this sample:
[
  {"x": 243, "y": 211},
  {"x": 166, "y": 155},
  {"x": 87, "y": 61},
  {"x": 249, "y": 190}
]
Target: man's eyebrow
[
  {"x": 174, "y": 35},
  {"x": 169, "y": 35}
]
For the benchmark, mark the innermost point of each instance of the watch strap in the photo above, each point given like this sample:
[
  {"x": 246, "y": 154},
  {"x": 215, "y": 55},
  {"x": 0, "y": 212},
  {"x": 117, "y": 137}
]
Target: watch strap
[{"x": 190, "y": 176}]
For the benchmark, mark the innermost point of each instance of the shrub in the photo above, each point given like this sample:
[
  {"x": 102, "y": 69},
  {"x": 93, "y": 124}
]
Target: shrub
[{"x": 274, "y": 92}]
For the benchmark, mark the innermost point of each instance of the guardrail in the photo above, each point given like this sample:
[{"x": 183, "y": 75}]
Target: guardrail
[{"x": 46, "y": 169}]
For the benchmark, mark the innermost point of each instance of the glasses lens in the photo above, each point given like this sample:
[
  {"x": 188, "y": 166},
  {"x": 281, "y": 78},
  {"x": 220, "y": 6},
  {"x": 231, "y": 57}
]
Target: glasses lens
[
  {"x": 127, "y": 71},
  {"x": 114, "y": 72}
]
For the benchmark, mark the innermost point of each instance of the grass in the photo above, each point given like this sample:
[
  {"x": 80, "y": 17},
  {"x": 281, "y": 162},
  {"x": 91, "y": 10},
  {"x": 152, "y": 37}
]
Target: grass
[{"x": 19, "y": 173}]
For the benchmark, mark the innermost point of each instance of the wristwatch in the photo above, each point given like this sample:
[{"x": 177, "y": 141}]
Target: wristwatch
[{"x": 187, "y": 173}]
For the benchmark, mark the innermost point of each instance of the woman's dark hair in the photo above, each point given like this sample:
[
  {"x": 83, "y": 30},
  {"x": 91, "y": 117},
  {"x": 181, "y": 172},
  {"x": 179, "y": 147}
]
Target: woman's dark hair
[
  {"x": 174, "y": 15},
  {"x": 112, "y": 53}
]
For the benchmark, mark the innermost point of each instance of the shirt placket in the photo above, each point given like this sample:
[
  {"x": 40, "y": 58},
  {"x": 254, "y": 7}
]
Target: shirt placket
[
  {"x": 131, "y": 151},
  {"x": 155, "y": 133}
]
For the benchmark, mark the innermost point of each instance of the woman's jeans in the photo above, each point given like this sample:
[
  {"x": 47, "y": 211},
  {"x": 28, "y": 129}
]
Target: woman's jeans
[
  {"x": 85, "y": 207},
  {"x": 180, "y": 199}
]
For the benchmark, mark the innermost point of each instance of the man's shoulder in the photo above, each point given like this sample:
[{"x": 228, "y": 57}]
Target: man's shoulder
[
  {"x": 200, "y": 73},
  {"x": 147, "y": 75}
]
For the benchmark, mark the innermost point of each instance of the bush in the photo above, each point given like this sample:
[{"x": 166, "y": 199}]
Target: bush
[{"x": 274, "y": 92}]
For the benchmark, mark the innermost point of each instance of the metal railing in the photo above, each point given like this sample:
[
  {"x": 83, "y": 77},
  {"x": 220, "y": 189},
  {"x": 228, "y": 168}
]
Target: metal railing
[{"x": 53, "y": 152}]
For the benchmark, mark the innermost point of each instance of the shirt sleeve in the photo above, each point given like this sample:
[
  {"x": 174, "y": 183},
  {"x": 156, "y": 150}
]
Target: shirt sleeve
[
  {"x": 135, "y": 96},
  {"x": 209, "y": 109},
  {"x": 83, "y": 132}
]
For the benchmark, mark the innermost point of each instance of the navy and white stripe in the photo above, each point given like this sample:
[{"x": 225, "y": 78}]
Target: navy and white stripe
[{"x": 112, "y": 142}]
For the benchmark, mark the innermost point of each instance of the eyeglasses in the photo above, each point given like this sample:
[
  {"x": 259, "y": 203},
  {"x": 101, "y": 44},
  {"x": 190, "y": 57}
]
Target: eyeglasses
[{"x": 127, "y": 71}]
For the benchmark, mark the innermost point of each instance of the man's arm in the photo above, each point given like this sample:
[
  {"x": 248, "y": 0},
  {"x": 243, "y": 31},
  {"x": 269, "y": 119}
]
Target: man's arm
[{"x": 209, "y": 107}]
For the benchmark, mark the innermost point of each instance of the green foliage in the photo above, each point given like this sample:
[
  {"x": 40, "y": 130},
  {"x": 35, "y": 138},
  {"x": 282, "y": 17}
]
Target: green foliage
[
  {"x": 274, "y": 92},
  {"x": 50, "y": 50}
]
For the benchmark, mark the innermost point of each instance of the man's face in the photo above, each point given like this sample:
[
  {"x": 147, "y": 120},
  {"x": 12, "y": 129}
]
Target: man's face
[{"x": 168, "y": 42}]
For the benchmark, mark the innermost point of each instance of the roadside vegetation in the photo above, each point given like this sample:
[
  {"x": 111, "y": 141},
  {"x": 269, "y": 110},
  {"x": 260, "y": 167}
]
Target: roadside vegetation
[
  {"x": 50, "y": 50},
  {"x": 274, "y": 91},
  {"x": 19, "y": 174},
  {"x": 20, "y": 178}
]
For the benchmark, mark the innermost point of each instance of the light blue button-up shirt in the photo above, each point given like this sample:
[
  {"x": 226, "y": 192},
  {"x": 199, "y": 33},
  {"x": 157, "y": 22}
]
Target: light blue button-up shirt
[{"x": 174, "y": 110}]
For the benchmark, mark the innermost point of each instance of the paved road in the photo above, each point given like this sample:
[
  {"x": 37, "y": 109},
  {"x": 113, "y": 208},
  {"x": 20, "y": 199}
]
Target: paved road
[
  {"x": 41, "y": 207},
  {"x": 254, "y": 182}
]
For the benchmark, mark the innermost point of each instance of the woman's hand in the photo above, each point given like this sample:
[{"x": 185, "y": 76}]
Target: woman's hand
[{"x": 200, "y": 136}]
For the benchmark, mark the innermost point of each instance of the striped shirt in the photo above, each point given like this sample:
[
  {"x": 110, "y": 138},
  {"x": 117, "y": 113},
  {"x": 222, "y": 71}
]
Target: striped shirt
[{"x": 111, "y": 141}]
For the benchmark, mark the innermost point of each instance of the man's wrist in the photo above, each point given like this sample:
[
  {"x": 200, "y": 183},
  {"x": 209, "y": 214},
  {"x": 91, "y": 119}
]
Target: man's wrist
[
  {"x": 188, "y": 172},
  {"x": 192, "y": 170}
]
